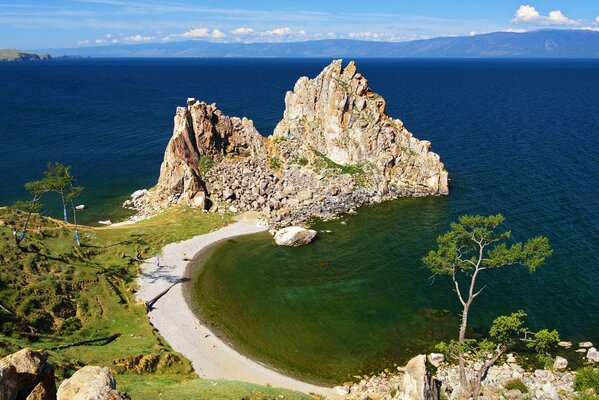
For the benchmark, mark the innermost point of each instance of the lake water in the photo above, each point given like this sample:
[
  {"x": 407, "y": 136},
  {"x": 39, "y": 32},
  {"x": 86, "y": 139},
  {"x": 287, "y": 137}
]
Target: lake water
[{"x": 517, "y": 137}]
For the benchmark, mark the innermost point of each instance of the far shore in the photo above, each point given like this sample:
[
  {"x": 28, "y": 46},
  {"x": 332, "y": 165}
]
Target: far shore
[{"x": 173, "y": 317}]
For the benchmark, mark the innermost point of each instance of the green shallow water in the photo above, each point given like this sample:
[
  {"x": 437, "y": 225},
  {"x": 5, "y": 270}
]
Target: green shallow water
[{"x": 336, "y": 307}]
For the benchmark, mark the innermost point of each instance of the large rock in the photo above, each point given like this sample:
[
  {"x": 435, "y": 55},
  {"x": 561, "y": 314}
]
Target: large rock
[
  {"x": 338, "y": 116},
  {"x": 593, "y": 355},
  {"x": 90, "y": 383},
  {"x": 294, "y": 236},
  {"x": 24, "y": 372},
  {"x": 418, "y": 383},
  {"x": 334, "y": 149},
  {"x": 560, "y": 364}
]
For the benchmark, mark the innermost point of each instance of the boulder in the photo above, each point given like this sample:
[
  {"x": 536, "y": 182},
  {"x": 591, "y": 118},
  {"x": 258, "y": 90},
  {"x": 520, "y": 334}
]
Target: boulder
[
  {"x": 294, "y": 236},
  {"x": 138, "y": 193},
  {"x": 342, "y": 390},
  {"x": 80, "y": 207},
  {"x": 564, "y": 344},
  {"x": 418, "y": 383},
  {"x": 90, "y": 383},
  {"x": 436, "y": 359},
  {"x": 593, "y": 355},
  {"x": 105, "y": 222},
  {"x": 585, "y": 344},
  {"x": 560, "y": 364},
  {"x": 22, "y": 372}
]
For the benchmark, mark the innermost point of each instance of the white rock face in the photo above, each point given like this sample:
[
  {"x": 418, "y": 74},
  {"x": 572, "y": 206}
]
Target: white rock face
[
  {"x": 560, "y": 364},
  {"x": 294, "y": 236},
  {"x": 417, "y": 381},
  {"x": 436, "y": 359},
  {"x": 342, "y": 390},
  {"x": 593, "y": 355},
  {"x": 139, "y": 193},
  {"x": 89, "y": 383}
]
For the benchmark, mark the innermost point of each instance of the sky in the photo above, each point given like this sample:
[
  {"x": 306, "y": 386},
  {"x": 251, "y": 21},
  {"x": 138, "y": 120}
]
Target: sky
[{"x": 37, "y": 24}]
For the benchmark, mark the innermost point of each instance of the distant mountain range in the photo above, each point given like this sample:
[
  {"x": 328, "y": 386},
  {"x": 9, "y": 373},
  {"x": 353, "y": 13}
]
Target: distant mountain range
[{"x": 537, "y": 44}]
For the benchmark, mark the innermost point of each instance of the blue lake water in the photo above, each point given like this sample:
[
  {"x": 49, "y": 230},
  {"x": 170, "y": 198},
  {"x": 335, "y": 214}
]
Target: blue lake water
[{"x": 517, "y": 137}]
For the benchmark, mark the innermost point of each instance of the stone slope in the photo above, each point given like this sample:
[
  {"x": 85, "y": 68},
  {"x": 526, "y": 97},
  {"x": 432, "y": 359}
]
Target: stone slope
[{"x": 334, "y": 149}]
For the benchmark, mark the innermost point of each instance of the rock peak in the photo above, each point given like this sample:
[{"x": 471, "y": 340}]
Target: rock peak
[{"x": 334, "y": 149}]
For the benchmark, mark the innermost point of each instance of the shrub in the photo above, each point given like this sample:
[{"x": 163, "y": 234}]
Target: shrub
[
  {"x": 70, "y": 325},
  {"x": 516, "y": 384},
  {"x": 587, "y": 378}
]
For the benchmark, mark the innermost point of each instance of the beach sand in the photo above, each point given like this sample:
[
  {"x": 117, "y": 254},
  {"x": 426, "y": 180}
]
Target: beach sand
[{"x": 172, "y": 316}]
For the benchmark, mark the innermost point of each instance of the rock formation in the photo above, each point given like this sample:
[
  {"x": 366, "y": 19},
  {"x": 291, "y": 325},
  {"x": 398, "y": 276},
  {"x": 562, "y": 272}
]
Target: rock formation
[
  {"x": 335, "y": 149},
  {"x": 90, "y": 383},
  {"x": 294, "y": 236},
  {"x": 27, "y": 374}
]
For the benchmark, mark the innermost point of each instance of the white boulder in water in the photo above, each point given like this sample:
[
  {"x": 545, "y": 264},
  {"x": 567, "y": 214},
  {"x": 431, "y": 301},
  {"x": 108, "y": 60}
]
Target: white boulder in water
[
  {"x": 80, "y": 207},
  {"x": 294, "y": 236},
  {"x": 107, "y": 222},
  {"x": 139, "y": 193}
]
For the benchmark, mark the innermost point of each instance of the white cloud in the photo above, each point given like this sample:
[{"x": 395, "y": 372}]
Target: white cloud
[
  {"x": 515, "y": 30},
  {"x": 597, "y": 20},
  {"x": 115, "y": 41},
  {"x": 216, "y": 34},
  {"x": 279, "y": 32},
  {"x": 364, "y": 35},
  {"x": 139, "y": 38},
  {"x": 196, "y": 33},
  {"x": 330, "y": 34},
  {"x": 529, "y": 15},
  {"x": 100, "y": 41},
  {"x": 243, "y": 31},
  {"x": 108, "y": 36},
  {"x": 83, "y": 42}
]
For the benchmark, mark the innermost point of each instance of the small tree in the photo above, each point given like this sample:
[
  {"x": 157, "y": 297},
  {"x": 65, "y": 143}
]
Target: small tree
[
  {"x": 58, "y": 178},
  {"x": 37, "y": 189},
  {"x": 505, "y": 332},
  {"x": 474, "y": 244},
  {"x": 69, "y": 196}
]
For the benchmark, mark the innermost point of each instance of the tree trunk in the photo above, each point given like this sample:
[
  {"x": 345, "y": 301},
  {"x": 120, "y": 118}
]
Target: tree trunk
[
  {"x": 461, "y": 340},
  {"x": 477, "y": 381}
]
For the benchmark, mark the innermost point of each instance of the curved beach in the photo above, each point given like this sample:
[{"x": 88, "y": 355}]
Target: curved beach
[{"x": 172, "y": 316}]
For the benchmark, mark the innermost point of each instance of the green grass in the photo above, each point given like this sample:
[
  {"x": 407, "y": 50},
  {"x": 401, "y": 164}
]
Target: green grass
[
  {"x": 587, "y": 378},
  {"x": 323, "y": 161},
  {"x": 205, "y": 164},
  {"x": 55, "y": 288},
  {"x": 169, "y": 386}
]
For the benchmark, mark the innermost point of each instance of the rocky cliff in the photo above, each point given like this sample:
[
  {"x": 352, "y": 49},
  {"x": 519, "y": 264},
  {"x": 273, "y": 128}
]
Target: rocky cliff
[{"x": 334, "y": 149}]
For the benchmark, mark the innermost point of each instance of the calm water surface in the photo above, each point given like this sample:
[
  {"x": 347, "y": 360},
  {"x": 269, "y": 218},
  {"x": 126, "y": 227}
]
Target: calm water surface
[{"x": 517, "y": 137}]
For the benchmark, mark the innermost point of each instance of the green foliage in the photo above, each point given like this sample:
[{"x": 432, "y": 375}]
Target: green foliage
[
  {"x": 516, "y": 384},
  {"x": 27, "y": 206},
  {"x": 205, "y": 164},
  {"x": 506, "y": 329},
  {"x": 587, "y": 378},
  {"x": 543, "y": 340},
  {"x": 459, "y": 249},
  {"x": 323, "y": 161},
  {"x": 478, "y": 349},
  {"x": 275, "y": 163}
]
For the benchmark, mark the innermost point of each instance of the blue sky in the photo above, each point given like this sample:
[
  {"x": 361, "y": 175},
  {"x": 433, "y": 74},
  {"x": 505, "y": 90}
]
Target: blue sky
[{"x": 28, "y": 24}]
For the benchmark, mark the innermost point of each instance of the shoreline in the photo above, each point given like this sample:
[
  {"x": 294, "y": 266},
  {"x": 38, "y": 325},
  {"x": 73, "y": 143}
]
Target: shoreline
[{"x": 173, "y": 315}]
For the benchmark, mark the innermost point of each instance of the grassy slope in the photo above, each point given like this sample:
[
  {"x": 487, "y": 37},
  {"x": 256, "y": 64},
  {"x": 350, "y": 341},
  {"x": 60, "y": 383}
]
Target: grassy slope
[{"x": 56, "y": 288}]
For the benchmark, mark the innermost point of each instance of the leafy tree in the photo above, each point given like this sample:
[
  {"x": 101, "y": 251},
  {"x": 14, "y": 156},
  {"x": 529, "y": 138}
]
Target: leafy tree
[
  {"x": 57, "y": 178},
  {"x": 36, "y": 189},
  {"x": 505, "y": 332},
  {"x": 474, "y": 244}
]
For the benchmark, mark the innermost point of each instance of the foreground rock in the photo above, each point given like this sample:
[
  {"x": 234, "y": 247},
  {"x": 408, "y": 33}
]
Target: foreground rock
[
  {"x": 335, "y": 149},
  {"x": 90, "y": 383},
  {"x": 27, "y": 374},
  {"x": 418, "y": 383},
  {"x": 294, "y": 236}
]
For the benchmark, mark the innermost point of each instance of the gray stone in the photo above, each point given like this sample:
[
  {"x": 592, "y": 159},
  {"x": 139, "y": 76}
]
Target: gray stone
[
  {"x": 89, "y": 383},
  {"x": 436, "y": 359},
  {"x": 585, "y": 344},
  {"x": 418, "y": 384}
]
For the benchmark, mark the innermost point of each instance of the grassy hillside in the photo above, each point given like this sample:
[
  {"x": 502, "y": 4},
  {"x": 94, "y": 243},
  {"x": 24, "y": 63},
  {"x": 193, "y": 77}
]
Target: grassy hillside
[{"x": 52, "y": 287}]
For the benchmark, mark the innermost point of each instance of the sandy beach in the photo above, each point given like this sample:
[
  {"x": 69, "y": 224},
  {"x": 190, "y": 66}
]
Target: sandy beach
[{"x": 171, "y": 315}]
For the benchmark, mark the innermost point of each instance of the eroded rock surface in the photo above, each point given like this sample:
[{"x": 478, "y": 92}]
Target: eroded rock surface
[
  {"x": 335, "y": 149},
  {"x": 27, "y": 374}
]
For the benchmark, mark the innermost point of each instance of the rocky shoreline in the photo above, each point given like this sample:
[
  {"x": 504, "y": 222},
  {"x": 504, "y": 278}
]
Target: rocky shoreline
[{"x": 334, "y": 150}]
